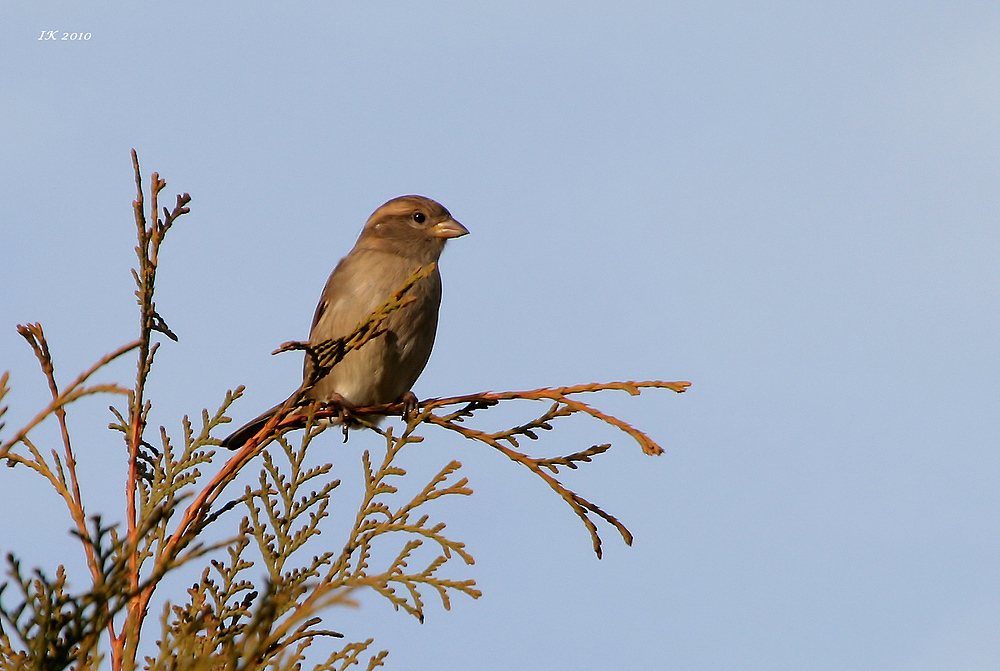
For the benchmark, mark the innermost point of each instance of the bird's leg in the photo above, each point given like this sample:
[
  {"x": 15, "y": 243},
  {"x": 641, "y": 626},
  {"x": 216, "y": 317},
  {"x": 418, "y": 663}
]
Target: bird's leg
[
  {"x": 410, "y": 403},
  {"x": 344, "y": 409},
  {"x": 337, "y": 402}
]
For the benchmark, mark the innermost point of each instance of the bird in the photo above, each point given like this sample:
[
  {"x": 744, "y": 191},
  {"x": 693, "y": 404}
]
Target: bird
[{"x": 402, "y": 235}]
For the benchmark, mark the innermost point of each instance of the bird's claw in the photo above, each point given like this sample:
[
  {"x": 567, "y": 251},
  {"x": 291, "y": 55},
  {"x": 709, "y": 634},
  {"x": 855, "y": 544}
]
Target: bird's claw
[
  {"x": 410, "y": 404},
  {"x": 344, "y": 410}
]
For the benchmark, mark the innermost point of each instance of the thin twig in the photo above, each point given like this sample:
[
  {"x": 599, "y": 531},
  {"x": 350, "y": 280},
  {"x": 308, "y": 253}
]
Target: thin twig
[{"x": 71, "y": 393}]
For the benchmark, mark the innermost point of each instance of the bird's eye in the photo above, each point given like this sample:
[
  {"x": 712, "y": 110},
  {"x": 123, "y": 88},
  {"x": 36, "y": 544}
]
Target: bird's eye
[{"x": 419, "y": 217}]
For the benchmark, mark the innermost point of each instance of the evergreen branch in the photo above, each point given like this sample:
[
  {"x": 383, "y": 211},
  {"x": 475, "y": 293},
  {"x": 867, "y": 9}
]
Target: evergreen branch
[
  {"x": 578, "y": 504},
  {"x": 348, "y": 656},
  {"x": 70, "y": 393},
  {"x": 473, "y": 402},
  {"x": 570, "y": 460},
  {"x": 4, "y": 389}
]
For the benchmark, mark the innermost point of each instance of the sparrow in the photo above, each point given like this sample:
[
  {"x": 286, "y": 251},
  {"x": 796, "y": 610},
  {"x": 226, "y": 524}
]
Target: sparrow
[{"x": 400, "y": 236}]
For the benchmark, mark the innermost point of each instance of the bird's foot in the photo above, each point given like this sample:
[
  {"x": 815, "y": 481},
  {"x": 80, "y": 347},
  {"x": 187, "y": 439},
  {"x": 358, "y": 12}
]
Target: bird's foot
[
  {"x": 410, "y": 404},
  {"x": 344, "y": 410}
]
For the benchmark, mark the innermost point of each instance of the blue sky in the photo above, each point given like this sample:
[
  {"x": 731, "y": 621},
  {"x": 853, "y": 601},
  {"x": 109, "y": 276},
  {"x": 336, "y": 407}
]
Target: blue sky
[{"x": 793, "y": 205}]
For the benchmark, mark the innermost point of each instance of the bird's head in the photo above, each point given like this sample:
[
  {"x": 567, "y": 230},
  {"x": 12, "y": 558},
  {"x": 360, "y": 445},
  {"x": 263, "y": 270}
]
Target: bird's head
[{"x": 412, "y": 226}]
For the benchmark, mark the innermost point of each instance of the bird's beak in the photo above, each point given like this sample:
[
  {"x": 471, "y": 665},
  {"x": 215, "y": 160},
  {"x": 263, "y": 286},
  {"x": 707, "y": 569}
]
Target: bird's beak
[{"x": 449, "y": 228}]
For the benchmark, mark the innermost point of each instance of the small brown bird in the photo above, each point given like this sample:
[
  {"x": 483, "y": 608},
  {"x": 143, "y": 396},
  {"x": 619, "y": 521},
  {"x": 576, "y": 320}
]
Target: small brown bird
[{"x": 402, "y": 235}]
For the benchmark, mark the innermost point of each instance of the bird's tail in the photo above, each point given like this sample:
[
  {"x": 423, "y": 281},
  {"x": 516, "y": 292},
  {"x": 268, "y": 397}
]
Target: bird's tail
[{"x": 240, "y": 436}]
